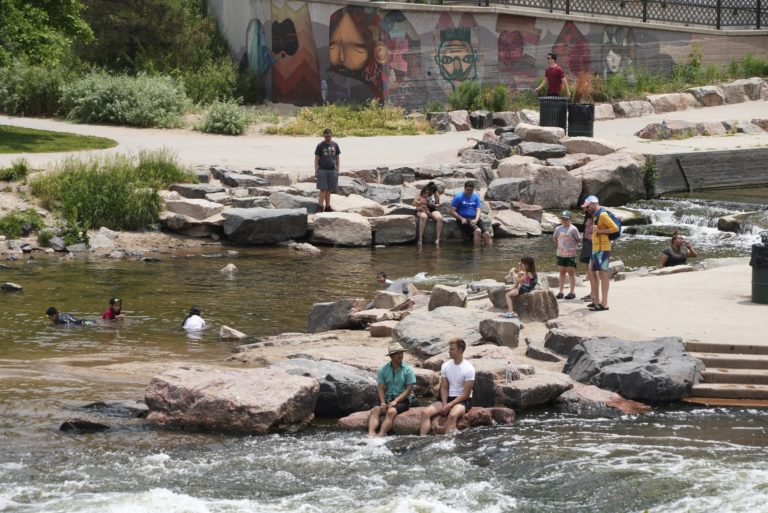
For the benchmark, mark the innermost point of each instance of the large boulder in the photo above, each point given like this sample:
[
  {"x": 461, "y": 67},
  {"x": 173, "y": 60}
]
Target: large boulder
[
  {"x": 551, "y": 187},
  {"x": 562, "y": 341},
  {"x": 509, "y": 223},
  {"x": 264, "y": 225},
  {"x": 333, "y": 315},
  {"x": 460, "y": 120},
  {"x": 542, "y": 151},
  {"x": 387, "y": 299},
  {"x": 512, "y": 166},
  {"x": 540, "y": 134},
  {"x": 510, "y": 189},
  {"x": 351, "y": 185},
  {"x": 427, "y": 333},
  {"x": 744, "y": 89},
  {"x": 341, "y": 229},
  {"x": 397, "y": 176},
  {"x": 708, "y": 96},
  {"x": 499, "y": 150},
  {"x": 590, "y": 145},
  {"x": 505, "y": 119},
  {"x": 538, "y": 389},
  {"x": 383, "y": 194},
  {"x": 590, "y": 401},
  {"x": 291, "y": 201},
  {"x": 672, "y": 102},
  {"x": 195, "y": 190},
  {"x": 479, "y": 157},
  {"x": 408, "y": 423},
  {"x": 501, "y": 330},
  {"x": 604, "y": 111},
  {"x": 443, "y": 295},
  {"x": 393, "y": 229},
  {"x": 571, "y": 161},
  {"x": 356, "y": 204},
  {"x": 633, "y": 108},
  {"x": 616, "y": 179},
  {"x": 194, "y": 208},
  {"x": 343, "y": 389},
  {"x": 667, "y": 130},
  {"x": 652, "y": 371},
  {"x": 247, "y": 401},
  {"x": 537, "y": 305},
  {"x": 480, "y": 119}
]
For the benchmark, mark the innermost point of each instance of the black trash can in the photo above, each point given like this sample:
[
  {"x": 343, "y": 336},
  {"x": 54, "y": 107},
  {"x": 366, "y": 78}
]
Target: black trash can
[
  {"x": 553, "y": 111},
  {"x": 759, "y": 263},
  {"x": 581, "y": 120}
]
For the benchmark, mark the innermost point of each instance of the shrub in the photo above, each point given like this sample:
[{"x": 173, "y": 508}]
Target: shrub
[
  {"x": 44, "y": 237},
  {"x": 433, "y": 106},
  {"x": 749, "y": 66},
  {"x": 17, "y": 223},
  {"x": 469, "y": 96},
  {"x": 523, "y": 99},
  {"x": 116, "y": 191},
  {"x": 18, "y": 169},
  {"x": 144, "y": 100},
  {"x": 250, "y": 87},
  {"x": 495, "y": 98},
  {"x": 224, "y": 117},
  {"x": 216, "y": 80},
  {"x": 27, "y": 90}
]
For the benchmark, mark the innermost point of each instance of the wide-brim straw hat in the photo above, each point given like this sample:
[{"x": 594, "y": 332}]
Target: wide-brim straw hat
[{"x": 395, "y": 347}]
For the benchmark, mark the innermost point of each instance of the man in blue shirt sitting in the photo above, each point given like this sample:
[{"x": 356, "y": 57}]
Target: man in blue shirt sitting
[
  {"x": 395, "y": 381},
  {"x": 465, "y": 208}
]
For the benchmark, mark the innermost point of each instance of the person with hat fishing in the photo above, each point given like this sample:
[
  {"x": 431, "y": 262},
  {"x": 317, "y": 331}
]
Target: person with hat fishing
[
  {"x": 115, "y": 310},
  {"x": 394, "y": 383}
]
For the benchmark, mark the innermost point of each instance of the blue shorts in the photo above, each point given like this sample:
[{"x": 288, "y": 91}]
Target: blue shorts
[
  {"x": 327, "y": 179},
  {"x": 600, "y": 261}
]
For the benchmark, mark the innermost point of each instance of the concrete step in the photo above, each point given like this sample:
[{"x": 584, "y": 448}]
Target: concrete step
[
  {"x": 708, "y": 347},
  {"x": 735, "y": 403},
  {"x": 730, "y": 391},
  {"x": 733, "y": 361},
  {"x": 748, "y": 376}
]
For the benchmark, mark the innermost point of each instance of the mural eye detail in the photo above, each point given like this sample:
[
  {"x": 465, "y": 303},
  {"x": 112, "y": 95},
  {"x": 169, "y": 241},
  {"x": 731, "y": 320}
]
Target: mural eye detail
[
  {"x": 447, "y": 60},
  {"x": 284, "y": 37},
  {"x": 469, "y": 59}
]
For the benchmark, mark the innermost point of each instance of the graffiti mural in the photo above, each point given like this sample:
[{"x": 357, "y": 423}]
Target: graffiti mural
[
  {"x": 257, "y": 51},
  {"x": 403, "y": 59},
  {"x": 572, "y": 49},
  {"x": 618, "y": 50},
  {"x": 518, "y": 38},
  {"x": 295, "y": 71},
  {"x": 456, "y": 55}
]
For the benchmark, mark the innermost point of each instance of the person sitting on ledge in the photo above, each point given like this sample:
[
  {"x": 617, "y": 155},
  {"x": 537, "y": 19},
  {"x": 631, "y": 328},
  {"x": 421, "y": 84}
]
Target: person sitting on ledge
[
  {"x": 394, "y": 383},
  {"x": 457, "y": 379},
  {"x": 678, "y": 252},
  {"x": 465, "y": 208}
]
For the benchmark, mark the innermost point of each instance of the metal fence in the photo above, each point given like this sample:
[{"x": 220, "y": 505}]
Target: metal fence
[{"x": 738, "y": 14}]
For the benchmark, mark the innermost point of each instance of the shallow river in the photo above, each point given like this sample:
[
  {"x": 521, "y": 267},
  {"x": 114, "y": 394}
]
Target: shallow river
[{"x": 673, "y": 460}]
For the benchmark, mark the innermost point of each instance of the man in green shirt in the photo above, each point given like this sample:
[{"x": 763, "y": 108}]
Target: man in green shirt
[{"x": 395, "y": 381}]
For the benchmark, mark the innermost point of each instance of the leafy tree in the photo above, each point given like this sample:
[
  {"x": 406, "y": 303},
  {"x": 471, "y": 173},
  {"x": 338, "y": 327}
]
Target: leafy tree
[{"x": 41, "y": 31}]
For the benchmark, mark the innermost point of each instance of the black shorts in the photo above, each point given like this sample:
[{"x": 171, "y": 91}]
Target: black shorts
[
  {"x": 467, "y": 404},
  {"x": 469, "y": 230},
  {"x": 403, "y": 406}
]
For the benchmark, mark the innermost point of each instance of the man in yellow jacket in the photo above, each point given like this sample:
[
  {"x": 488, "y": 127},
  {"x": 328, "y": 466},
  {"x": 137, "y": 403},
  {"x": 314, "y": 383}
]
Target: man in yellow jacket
[{"x": 601, "y": 253}]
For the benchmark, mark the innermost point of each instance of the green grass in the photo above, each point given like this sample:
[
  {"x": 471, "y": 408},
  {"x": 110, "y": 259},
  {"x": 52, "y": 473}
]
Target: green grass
[
  {"x": 26, "y": 140},
  {"x": 12, "y": 225},
  {"x": 116, "y": 191},
  {"x": 350, "y": 119},
  {"x": 18, "y": 170}
]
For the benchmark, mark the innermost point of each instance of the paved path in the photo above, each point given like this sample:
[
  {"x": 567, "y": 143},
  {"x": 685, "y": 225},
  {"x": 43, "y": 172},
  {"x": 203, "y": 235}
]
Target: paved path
[{"x": 295, "y": 154}]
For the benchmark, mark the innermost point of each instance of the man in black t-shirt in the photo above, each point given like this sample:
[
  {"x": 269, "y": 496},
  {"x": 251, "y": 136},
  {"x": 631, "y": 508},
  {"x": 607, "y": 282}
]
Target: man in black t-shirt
[{"x": 326, "y": 170}]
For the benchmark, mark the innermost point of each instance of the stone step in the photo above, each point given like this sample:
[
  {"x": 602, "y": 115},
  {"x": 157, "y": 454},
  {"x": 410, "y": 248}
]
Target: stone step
[
  {"x": 730, "y": 391},
  {"x": 719, "y": 401},
  {"x": 723, "y": 375},
  {"x": 733, "y": 361},
  {"x": 708, "y": 347}
]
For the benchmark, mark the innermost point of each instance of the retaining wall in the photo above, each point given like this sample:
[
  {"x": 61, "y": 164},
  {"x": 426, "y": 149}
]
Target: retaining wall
[{"x": 695, "y": 171}]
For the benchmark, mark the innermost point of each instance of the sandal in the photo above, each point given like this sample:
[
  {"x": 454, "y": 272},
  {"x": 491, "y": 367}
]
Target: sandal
[
  {"x": 591, "y": 306},
  {"x": 570, "y": 296},
  {"x": 508, "y": 315},
  {"x": 559, "y": 295},
  {"x": 599, "y": 308}
]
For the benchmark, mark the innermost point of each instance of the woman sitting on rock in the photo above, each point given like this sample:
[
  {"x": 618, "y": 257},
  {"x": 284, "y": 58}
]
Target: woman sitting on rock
[
  {"x": 426, "y": 204},
  {"x": 678, "y": 252}
]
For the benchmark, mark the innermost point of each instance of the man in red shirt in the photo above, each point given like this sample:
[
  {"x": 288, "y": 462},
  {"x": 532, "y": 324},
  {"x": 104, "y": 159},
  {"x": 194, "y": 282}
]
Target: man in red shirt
[{"x": 554, "y": 78}]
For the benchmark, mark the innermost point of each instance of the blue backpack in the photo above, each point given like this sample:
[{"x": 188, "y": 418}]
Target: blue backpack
[{"x": 615, "y": 219}]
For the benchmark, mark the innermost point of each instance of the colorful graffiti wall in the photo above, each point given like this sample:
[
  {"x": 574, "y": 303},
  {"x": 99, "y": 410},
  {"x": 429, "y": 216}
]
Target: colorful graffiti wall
[{"x": 310, "y": 53}]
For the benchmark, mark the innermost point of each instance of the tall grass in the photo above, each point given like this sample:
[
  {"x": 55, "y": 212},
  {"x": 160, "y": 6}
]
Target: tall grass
[
  {"x": 19, "y": 222},
  {"x": 353, "y": 119},
  {"x": 143, "y": 100},
  {"x": 116, "y": 191},
  {"x": 473, "y": 96},
  {"x": 18, "y": 170}
]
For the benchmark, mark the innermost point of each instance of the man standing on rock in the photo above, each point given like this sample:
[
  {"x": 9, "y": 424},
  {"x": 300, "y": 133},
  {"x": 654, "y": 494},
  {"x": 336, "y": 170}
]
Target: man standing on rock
[
  {"x": 554, "y": 78},
  {"x": 457, "y": 379},
  {"x": 394, "y": 382},
  {"x": 327, "y": 167},
  {"x": 465, "y": 208},
  {"x": 600, "y": 278}
]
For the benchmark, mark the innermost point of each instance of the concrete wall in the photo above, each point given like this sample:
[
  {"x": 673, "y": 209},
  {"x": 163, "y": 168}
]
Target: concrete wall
[{"x": 312, "y": 52}]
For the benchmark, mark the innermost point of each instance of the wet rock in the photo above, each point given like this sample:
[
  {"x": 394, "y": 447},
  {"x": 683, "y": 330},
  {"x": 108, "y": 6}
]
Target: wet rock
[
  {"x": 501, "y": 331},
  {"x": 83, "y": 426},
  {"x": 11, "y": 287},
  {"x": 615, "y": 179},
  {"x": 119, "y": 408},
  {"x": 651, "y": 371},
  {"x": 443, "y": 295},
  {"x": 149, "y": 260},
  {"x": 408, "y": 423},
  {"x": 509, "y": 223},
  {"x": 195, "y": 190},
  {"x": 117, "y": 255},
  {"x": 247, "y": 401},
  {"x": 393, "y": 229},
  {"x": 78, "y": 248},
  {"x": 341, "y": 229},
  {"x": 539, "y": 134},
  {"x": 590, "y": 401},
  {"x": 633, "y": 109},
  {"x": 427, "y": 333},
  {"x": 672, "y": 102},
  {"x": 282, "y": 200},
  {"x": 227, "y": 333},
  {"x": 333, "y": 315},
  {"x": 343, "y": 389},
  {"x": 264, "y": 225},
  {"x": 541, "y": 151},
  {"x": 708, "y": 96}
]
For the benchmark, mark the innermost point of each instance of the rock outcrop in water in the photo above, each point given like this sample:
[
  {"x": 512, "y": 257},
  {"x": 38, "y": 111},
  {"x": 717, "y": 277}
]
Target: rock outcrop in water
[{"x": 408, "y": 423}]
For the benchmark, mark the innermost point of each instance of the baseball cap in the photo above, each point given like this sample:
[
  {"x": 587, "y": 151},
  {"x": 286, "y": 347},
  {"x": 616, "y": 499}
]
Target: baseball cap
[
  {"x": 588, "y": 200},
  {"x": 565, "y": 214}
]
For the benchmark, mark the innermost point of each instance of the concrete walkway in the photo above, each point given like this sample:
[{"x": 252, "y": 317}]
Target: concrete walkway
[{"x": 295, "y": 154}]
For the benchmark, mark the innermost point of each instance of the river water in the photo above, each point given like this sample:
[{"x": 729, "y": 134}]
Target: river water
[{"x": 673, "y": 460}]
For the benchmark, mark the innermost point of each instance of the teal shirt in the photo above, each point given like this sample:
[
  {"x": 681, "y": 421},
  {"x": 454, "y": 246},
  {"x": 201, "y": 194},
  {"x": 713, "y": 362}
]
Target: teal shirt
[{"x": 395, "y": 382}]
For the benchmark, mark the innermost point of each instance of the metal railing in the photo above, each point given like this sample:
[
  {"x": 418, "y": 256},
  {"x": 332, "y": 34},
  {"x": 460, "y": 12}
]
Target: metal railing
[{"x": 739, "y": 14}]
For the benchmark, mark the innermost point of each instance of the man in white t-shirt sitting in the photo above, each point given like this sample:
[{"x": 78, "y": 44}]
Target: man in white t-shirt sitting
[{"x": 457, "y": 378}]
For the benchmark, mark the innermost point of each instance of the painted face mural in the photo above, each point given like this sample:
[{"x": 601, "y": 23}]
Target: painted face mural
[
  {"x": 517, "y": 66},
  {"x": 258, "y": 56},
  {"x": 456, "y": 59},
  {"x": 510, "y": 46},
  {"x": 354, "y": 46},
  {"x": 619, "y": 49},
  {"x": 403, "y": 59},
  {"x": 295, "y": 70},
  {"x": 572, "y": 49}
]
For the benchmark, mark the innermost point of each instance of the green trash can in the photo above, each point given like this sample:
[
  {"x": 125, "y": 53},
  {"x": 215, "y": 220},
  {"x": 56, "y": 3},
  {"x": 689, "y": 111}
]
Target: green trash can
[
  {"x": 553, "y": 111},
  {"x": 759, "y": 263}
]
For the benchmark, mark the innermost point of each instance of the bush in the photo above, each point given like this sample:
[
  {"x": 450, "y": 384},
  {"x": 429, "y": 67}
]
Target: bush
[
  {"x": 216, "y": 80},
  {"x": 469, "y": 96},
  {"x": 27, "y": 90},
  {"x": 116, "y": 191},
  {"x": 748, "y": 67},
  {"x": 44, "y": 237},
  {"x": 144, "y": 100},
  {"x": 17, "y": 223},
  {"x": 18, "y": 169},
  {"x": 250, "y": 87},
  {"x": 433, "y": 106},
  {"x": 495, "y": 98},
  {"x": 224, "y": 117}
]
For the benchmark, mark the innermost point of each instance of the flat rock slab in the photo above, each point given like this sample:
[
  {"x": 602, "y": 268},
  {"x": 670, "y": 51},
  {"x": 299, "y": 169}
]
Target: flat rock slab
[
  {"x": 532, "y": 391},
  {"x": 408, "y": 423},
  {"x": 264, "y": 225},
  {"x": 247, "y": 401},
  {"x": 590, "y": 401},
  {"x": 195, "y": 190},
  {"x": 428, "y": 333}
]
